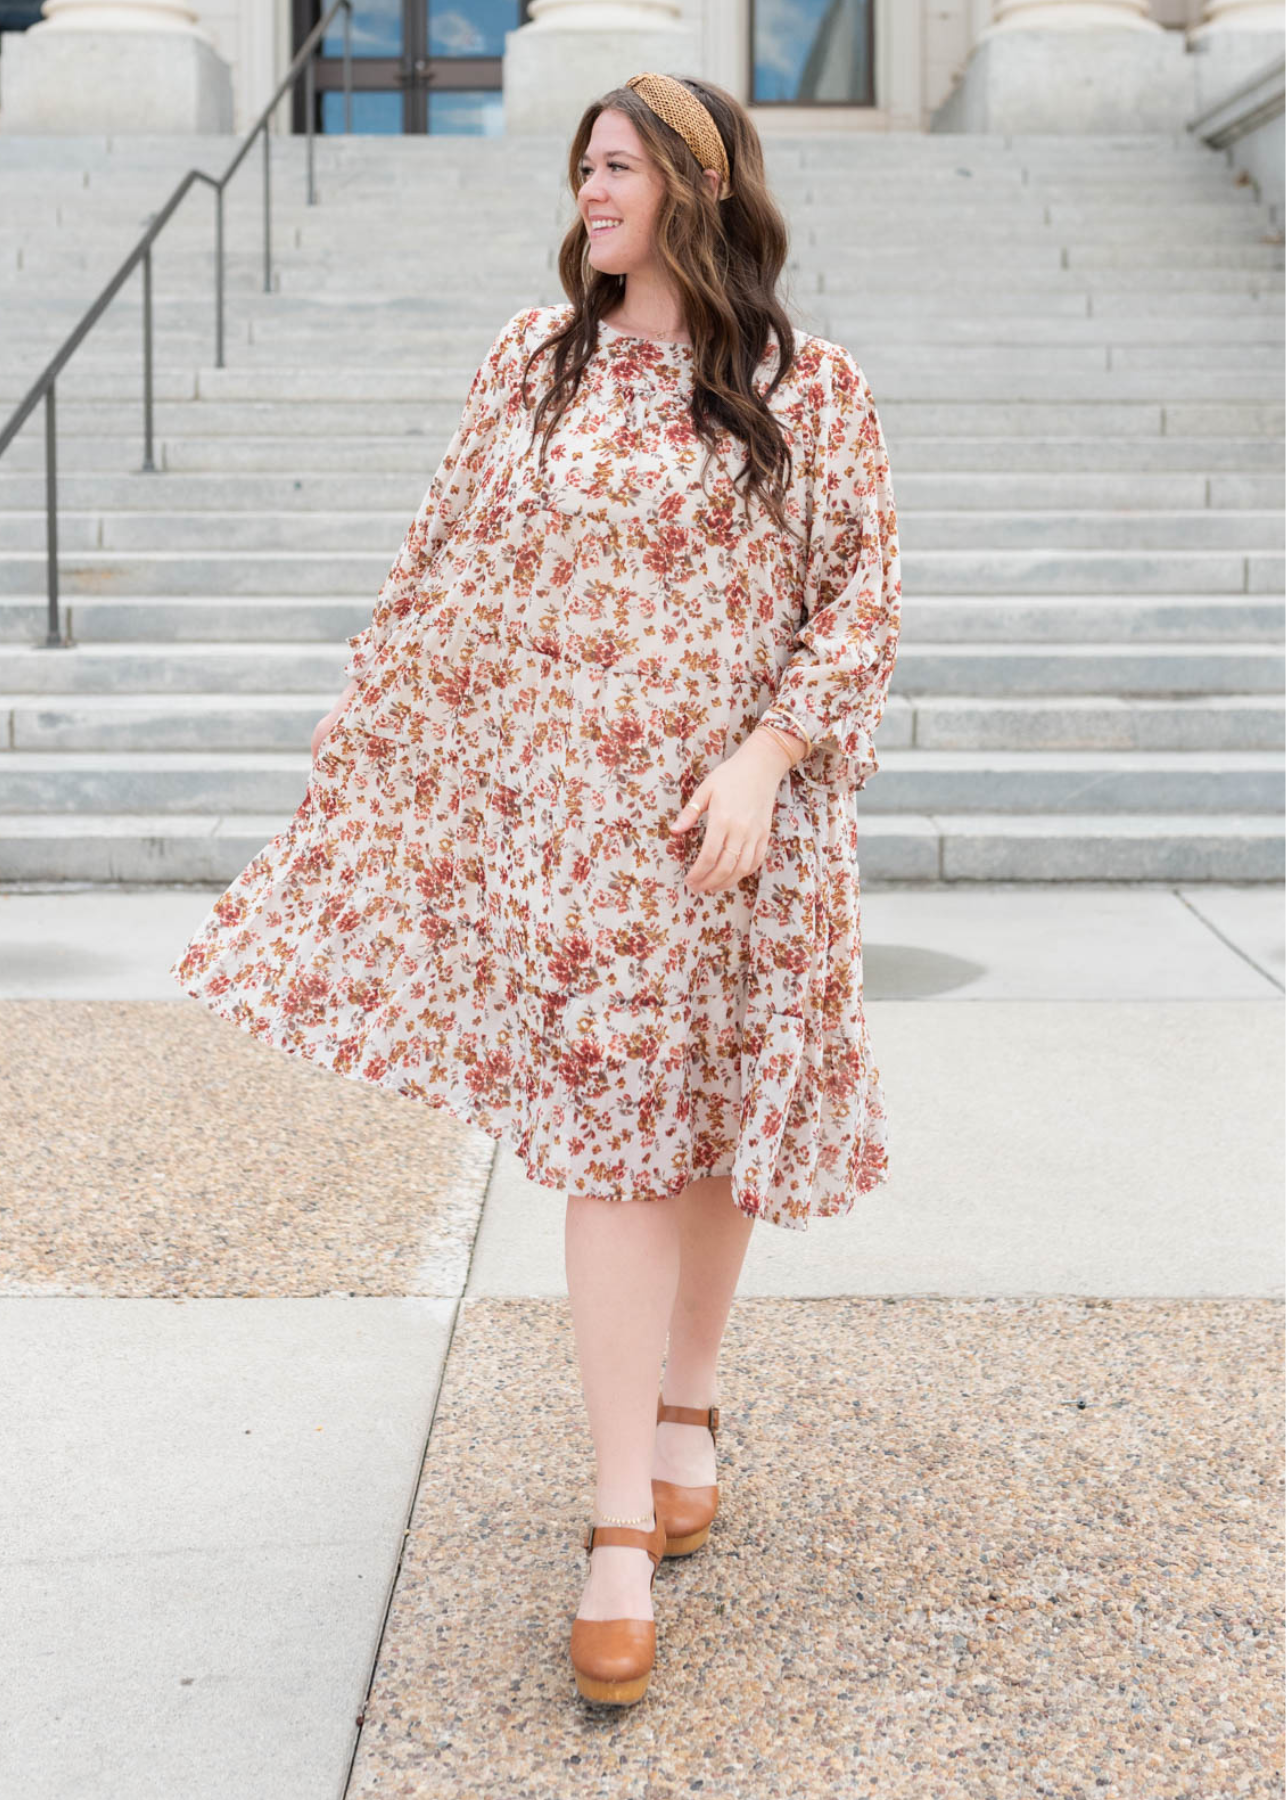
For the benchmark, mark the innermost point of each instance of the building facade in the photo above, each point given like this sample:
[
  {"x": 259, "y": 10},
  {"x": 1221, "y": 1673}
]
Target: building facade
[{"x": 491, "y": 66}]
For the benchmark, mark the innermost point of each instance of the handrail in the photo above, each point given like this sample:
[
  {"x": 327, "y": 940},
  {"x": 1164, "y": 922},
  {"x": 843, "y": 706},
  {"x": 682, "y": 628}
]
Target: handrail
[
  {"x": 43, "y": 387},
  {"x": 1255, "y": 102}
]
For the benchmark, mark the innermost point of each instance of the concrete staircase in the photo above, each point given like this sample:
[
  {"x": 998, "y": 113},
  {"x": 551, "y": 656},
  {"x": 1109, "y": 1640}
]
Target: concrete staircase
[{"x": 1076, "y": 347}]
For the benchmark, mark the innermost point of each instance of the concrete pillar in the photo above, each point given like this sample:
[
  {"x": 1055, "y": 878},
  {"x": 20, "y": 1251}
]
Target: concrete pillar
[
  {"x": 1070, "y": 15},
  {"x": 572, "y": 50},
  {"x": 1092, "y": 66},
  {"x": 114, "y": 66},
  {"x": 1241, "y": 15},
  {"x": 118, "y": 15},
  {"x": 1236, "y": 42}
]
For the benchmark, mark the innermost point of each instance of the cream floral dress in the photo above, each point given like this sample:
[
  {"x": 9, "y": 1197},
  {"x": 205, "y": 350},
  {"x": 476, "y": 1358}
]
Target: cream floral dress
[{"x": 479, "y": 902}]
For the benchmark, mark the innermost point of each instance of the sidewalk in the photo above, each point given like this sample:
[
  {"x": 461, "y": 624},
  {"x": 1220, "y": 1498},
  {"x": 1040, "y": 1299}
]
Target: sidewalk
[{"x": 294, "y": 1436}]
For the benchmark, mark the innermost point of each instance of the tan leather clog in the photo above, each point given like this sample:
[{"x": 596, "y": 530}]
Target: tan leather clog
[
  {"x": 613, "y": 1658},
  {"x": 686, "y": 1512}
]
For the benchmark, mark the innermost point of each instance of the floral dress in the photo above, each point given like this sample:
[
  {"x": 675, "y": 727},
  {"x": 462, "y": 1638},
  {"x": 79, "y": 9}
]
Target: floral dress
[{"x": 479, "y": 902}]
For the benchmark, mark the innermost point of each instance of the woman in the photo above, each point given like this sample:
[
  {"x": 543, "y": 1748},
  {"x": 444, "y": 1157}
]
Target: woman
[{"x": 577, "y": 860}]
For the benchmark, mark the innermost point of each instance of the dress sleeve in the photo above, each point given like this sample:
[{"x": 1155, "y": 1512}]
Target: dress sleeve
[
  {"x": 835, "y": 682},
  {"x": 463, "y": 464}
]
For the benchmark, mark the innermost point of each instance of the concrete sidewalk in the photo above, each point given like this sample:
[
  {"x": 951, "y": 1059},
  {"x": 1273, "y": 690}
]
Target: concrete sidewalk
[{"x": 293, "y": 1431}]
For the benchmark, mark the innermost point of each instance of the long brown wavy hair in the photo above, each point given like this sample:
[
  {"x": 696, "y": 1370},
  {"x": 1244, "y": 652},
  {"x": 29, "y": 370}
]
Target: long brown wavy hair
[{"x": 724, "y": 258}]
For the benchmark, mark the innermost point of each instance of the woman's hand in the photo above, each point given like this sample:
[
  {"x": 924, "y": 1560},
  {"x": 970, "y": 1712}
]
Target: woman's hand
[
  {"x": 739, "y": 793},
  {"x": 323, "y": 727}
]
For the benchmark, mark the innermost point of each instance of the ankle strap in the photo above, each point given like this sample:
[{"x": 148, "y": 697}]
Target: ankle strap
[
  {"x": 689, "y": 1415},
  {"x": 652, "y": 1541}
]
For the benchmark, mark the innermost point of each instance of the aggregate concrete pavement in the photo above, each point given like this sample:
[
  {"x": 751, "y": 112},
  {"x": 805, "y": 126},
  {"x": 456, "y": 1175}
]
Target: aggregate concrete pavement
[{"x": 293, "y": 1428}]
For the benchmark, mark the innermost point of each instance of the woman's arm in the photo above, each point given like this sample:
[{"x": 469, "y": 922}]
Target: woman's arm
[
  {"x": 463, "y": 466},
  {"x": 833, "y": 688},
  {"x": 324, "y": 726}
]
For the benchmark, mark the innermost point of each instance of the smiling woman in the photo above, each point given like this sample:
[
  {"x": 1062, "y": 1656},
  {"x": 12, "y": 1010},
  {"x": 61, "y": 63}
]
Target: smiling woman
[{"x": 577, "y": 862}]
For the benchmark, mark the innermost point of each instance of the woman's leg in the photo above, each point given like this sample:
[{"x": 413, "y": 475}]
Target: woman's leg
[
  {"x": 622, "y": 1260},
  {"x": 713, "y": 1238}
]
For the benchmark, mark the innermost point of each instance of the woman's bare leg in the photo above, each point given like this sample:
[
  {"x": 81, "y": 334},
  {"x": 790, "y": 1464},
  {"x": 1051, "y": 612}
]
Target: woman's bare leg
[
  {"x": 713, "y": 1238},
  {"x": 622, "y": 1259}
]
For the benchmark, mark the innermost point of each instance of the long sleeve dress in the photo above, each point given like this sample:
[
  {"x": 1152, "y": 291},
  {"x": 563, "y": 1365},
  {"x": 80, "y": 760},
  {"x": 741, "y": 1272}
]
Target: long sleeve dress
[{"x": 479, "y": 902}]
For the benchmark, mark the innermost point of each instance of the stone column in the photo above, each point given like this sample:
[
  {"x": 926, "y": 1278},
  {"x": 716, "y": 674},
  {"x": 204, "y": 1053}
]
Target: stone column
[
  {"x": 114, "y": 66},
  {"x": 572, "y": 50},
  {"x": 1070, "y": 15},
  {"x": 119, "y": 15},
  {"x": 1091, "y": 66},
  {"x": 1239, "y": 15}
]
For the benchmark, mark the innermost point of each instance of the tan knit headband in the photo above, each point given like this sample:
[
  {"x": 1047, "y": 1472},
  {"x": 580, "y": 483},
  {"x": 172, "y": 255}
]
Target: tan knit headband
[{"x": 678, "y": 107}]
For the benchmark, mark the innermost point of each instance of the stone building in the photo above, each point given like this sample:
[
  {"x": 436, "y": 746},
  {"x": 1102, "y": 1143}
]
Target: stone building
[{"x": 495, "y": 66}]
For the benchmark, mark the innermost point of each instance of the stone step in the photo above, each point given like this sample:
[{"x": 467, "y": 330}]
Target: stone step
[
  {"x": 221, "y": 669},
  {"x": 1223, "y": 452},
  {"x": 1249, "y": 268},
  {"x": 96, "y": 237},
  {"x": 904, "y": 174},
  {"x": 260, "y": 343},
  {"x": 349, "y": 323},
  {"x": 905, "y": 180},
  {"x": 988, "y": 373},
  {"x": 512, "y": 195},
  {"x": 322, "y": 372},
  {"x": 1093, "y": 722},
  {"x": 285, "y": 721},
  {"x": 912, "y": 780},
  {"x": 1097, "y": 529},
  {"x": 1033, "y": 232},
  {"x": 192, "y": 261},
  {"x": 172, "y": 721},
  {"x": 1097, "y": 613},
  {"x": 1041, "y": 415},
  {"x": 1170, "y": 847},
  {"x": 1011, "y": 670},
  {"x": 1010, "y": 283},
  {"x": 1053, "y": 619},
  {"x": 400, "y": 491},
  {"x": 925, "y": 571},
  {"x": 964, "y": 164}
]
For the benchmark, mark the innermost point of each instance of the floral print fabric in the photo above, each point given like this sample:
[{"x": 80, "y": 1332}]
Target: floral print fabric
[{"x": 479, "y": 902}]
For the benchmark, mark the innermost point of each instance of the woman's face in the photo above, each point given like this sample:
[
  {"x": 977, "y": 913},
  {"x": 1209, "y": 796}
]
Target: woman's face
[{"x": 618, "y": 181}]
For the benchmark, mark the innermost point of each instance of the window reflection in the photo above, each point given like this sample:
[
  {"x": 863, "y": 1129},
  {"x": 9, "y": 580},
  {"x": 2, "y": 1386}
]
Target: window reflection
[
  {"x": 17, "y": 15},
  {"x": 813, "y": 51},
  {"x": 376, "y": 28},
  {"x": 374, "y": 113},
  {"x": 470, "y": 27},
  {"x": 469, "y": 112}
]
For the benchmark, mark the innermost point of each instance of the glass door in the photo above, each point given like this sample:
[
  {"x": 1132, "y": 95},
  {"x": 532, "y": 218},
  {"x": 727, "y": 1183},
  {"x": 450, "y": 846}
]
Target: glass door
[{"x": 418, "y": 65}]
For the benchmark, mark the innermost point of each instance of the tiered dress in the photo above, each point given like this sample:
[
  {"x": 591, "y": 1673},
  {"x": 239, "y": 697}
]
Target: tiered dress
[{"x": 479, "y": 902}]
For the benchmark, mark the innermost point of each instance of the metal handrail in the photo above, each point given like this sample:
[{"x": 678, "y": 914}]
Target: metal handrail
[{"x": 44, "y": 386}]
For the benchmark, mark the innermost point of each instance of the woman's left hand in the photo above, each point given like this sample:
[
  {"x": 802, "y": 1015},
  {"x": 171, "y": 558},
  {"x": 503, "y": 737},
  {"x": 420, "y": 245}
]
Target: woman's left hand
[
  {"x": 323, "y": 728},
  {"x": 739, "y": 794}
]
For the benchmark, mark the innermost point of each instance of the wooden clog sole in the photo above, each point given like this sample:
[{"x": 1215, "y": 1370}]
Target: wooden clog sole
[
  {"x": 684, "y": 1546},
  {"x": 613, "y": 1693}
]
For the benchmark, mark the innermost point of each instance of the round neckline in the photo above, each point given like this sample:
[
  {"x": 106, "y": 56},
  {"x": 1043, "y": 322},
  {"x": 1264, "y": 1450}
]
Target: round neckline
[{"x": 635, "y": 337}]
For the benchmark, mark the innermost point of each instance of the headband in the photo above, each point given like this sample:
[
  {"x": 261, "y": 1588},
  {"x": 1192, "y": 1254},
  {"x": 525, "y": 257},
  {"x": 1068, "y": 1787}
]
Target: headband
[{"x": 678, "y": 107}]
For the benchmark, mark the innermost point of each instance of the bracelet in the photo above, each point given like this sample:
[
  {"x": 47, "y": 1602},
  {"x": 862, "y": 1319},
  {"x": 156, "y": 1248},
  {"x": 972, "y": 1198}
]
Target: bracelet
[
  {"x": 790, "y": 722},
  {"x": 785, "y": 743}
]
